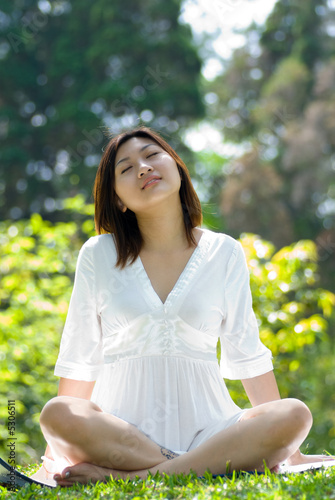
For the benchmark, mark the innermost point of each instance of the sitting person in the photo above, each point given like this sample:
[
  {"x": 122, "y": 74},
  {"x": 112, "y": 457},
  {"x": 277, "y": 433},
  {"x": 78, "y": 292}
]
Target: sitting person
[{"x": 141, "y": 388}]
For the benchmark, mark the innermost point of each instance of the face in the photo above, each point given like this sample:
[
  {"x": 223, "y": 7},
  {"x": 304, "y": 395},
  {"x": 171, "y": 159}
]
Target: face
[{"x": 145, "y": 175}]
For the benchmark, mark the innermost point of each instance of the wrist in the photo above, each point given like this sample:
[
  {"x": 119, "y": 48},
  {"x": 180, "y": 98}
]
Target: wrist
[{"x": 295, "y": 458}]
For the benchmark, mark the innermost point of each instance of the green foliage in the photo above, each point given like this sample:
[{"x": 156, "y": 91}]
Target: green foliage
[
  {"x": 297, "y": 28},
  {"x": 208, "y": 184},
  {"x": 291, "y": 309},
  {"x": 286, "y": 89},
  {"x": 316, "y": 485}
]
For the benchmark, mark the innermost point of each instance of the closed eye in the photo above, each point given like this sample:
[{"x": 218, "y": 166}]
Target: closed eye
[{"x": 130, "y": 166}]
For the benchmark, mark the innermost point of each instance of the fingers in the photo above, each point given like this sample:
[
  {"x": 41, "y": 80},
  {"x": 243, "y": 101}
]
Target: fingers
[
  {"x": 320, "y": 458},
  {"x": 307, "y": 459}
]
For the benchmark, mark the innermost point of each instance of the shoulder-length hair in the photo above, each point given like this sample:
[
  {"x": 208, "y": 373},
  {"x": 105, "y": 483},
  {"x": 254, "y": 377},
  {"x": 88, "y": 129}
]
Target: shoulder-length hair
[{"x": 123, "y": 225}]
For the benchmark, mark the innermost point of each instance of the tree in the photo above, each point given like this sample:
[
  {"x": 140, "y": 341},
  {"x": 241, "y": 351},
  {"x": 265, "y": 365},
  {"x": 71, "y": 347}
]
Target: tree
[
  {"x": 277, "y": 97},
  {"x": 73, "y": 72}
]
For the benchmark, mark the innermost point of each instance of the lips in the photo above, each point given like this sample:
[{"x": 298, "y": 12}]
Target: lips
[{"x": 150, "y": 180}]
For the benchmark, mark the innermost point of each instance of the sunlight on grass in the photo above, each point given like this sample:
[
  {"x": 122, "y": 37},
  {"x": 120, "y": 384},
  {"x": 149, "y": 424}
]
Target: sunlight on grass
[{"x": 316, "y": 485}]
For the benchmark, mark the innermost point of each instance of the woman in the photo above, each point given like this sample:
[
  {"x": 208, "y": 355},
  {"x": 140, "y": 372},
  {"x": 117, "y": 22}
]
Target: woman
[{"x": 140, "y": 387}]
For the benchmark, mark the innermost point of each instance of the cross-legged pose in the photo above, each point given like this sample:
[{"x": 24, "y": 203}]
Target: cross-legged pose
[{"x": 141, "y": 388}]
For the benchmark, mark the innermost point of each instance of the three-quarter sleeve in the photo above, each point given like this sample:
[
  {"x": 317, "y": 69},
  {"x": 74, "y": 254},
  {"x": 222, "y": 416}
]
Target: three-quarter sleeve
[
  {"x": 242, "y": 353},
  {"x": 80, "y": 356}
]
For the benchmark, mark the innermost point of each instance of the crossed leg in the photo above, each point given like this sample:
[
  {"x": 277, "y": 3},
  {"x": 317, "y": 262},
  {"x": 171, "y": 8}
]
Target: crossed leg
[
  {"x": 78, "y": 430},
  {"x": 98, "y": 444}
]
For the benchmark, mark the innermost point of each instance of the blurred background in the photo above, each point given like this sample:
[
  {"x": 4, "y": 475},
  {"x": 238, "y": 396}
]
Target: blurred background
[{"x": 244, "y": 90}]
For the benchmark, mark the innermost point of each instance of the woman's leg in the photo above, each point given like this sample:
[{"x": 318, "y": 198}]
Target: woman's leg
[
  {"x": 80, "y": 431},
  {"x": 268, "y": 433}
]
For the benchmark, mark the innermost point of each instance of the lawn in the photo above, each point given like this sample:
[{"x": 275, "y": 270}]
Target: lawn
[{"x": 316, "y": 485}]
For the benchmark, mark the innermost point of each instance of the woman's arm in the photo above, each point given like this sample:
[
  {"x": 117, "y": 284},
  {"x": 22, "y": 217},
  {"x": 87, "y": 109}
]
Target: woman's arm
[
  {"x": 261, "y": 389},
  {"x": 75, "y": 388}
]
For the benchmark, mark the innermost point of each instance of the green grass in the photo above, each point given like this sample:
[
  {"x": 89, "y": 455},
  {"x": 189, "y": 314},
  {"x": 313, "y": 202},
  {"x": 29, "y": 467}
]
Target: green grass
[{"x": 314, "y": 485}]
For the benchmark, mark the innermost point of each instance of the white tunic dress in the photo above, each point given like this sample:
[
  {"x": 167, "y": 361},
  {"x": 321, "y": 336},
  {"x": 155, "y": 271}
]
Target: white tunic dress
[{"x": 155, "y": 364}]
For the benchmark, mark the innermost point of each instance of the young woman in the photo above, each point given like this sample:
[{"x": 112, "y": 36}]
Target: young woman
[{"x": 141, "y": 389}]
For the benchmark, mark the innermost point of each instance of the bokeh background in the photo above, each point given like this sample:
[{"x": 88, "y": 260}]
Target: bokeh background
[{"x": 244, "y": 90}]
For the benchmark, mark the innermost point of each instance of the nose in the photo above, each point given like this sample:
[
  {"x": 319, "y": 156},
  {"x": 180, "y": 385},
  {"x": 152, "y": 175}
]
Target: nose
[{"x": 144, "y": 169}]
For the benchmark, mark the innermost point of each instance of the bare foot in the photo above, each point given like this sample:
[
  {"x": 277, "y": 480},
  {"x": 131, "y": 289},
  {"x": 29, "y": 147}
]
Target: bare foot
[{"x": 85, "y": 473}]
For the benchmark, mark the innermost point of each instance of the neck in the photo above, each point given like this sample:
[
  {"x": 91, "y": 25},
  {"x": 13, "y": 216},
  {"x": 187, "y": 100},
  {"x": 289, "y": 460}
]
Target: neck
[{"x": 163, "y": 232}]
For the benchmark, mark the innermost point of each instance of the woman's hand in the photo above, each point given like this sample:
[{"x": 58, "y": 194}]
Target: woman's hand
[{"x": 299, "y": 459}]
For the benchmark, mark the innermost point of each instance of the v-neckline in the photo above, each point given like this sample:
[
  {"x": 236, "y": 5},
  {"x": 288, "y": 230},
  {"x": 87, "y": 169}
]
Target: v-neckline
[{"x": 181, "y": 282}]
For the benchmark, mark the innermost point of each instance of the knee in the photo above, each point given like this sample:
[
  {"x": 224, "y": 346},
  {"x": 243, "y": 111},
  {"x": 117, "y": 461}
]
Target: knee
[
  {"x": 295, "y": 420},
  {"x": 62, "y": 428},
  {"x": 66, "y": 415},
  {"x": 56, "y": 413},
  {"x": 299, "y": 414}
]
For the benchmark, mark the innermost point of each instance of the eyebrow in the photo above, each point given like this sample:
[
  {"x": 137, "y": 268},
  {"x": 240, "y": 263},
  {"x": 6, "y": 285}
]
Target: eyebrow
[{"x": 142, "y": 149}]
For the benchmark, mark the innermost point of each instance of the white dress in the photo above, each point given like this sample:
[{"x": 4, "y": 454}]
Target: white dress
[{"x": 155, "y": 364}]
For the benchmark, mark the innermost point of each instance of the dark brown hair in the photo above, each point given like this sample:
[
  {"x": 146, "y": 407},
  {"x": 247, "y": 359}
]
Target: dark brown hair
[{"x": 123, "y": 225}]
